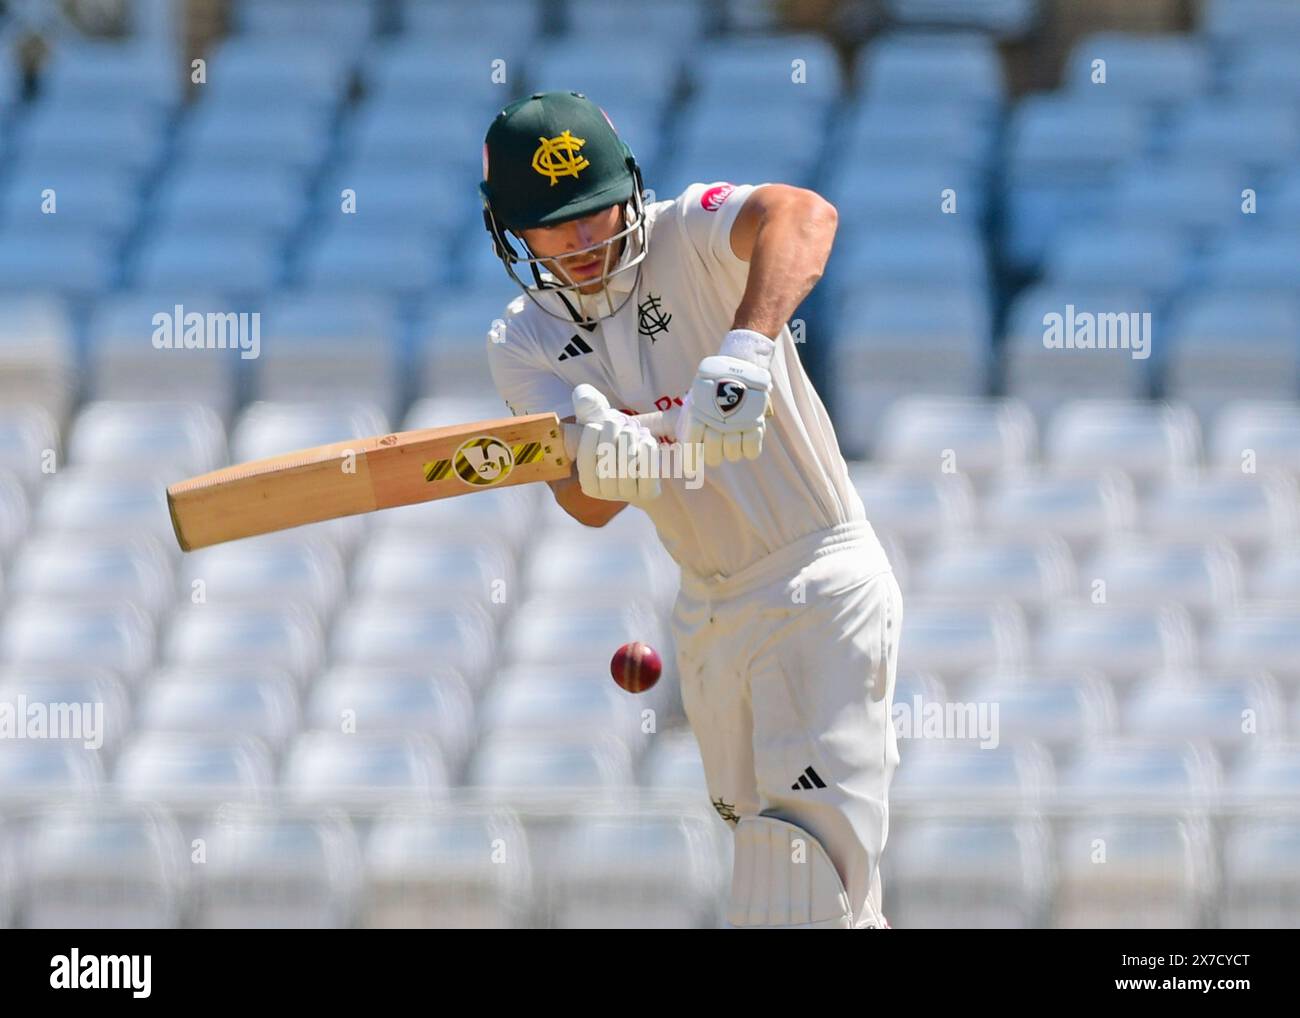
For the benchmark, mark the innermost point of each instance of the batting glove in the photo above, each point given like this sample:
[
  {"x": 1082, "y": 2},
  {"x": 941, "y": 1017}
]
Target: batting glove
[
  {"x": 728, "y": 404},
  {"x": 616, "y": 455}
]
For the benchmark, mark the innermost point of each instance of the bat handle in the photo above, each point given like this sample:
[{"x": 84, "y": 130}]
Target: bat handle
[{"x": 661, "y": 424}]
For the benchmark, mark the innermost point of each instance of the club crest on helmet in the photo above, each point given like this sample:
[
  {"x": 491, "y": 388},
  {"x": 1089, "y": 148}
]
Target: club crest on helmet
[{"x": 560, "y": 157}]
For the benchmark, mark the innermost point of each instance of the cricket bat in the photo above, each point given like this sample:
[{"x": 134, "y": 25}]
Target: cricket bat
[{"x": 365, "y": 474}]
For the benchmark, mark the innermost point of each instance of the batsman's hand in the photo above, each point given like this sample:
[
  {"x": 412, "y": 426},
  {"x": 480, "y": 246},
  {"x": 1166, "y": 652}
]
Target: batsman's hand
[
  {"x": 727, "y": 407},
  {"x": 616, "y": 455}
]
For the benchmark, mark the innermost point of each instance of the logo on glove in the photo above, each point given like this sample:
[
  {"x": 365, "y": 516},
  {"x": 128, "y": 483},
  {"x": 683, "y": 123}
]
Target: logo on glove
[{"x": 729, "y": 395}]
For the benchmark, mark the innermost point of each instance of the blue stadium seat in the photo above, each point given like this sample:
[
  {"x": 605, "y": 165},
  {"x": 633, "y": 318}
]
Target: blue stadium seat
[
  {"x": 286, "y": 568},
  {"x": 1118, "y": 255},
  {"x": 1277, "y": 576},
  {"x": 393, "y": 567},
  {"x": 1263, "y": 72},
  {"x": 245, "y": 70},
  {"x": 1035, "y": 574},
  {"x": 1208, "y": 708},
  {"x": 519, "y": 767},
  {"x": 1063, "y": 155},
  {"x": 318, "y": 345},
  {"x": 68, "y": 880},
  {"x": 643, "y": 871},
  {"x": 230, "y": 139},
  {"x": 175, "y": 258},
  {"x": 1155, "y": 70},
  {"x": 1204, "y": 577},
  {"x": 1227, "y": 345},
  {"x": 185, "y": 437},
  {"x": 1248, "y": 137},
  {"x": 944, "y": 639},
  {"x": 99, "y": 571},
  {"x": 111, "y": 74},
  {"x": 35, "y": 772},
  {"x": 1183, "y": 194},
  {"x": 881, "y": 131},
  {"x": 1255, "y": 262},
  {"x": 268, "y": 429},
  {"x": 399, "y": 73},
  {"x": 260, "y": 202},
  {"x": 904, "y": 332},
  {"x": 1042, "y": 376},
  {"x": 426, "y": 869},
  {"x": 764, "y": 68},
  {"x": 361, "y": 772},
  {"x": 1001, "y": 18},
  {"x": 87, "y": 199},
  {"x": 285, "y": 635},
  {"x": 380, "y": 633},
  {"x": 1270, "y": 430},
  {"x": 1260, "y": 879},
  {"x": 123, "y": 364},
  {"x": 76, "y": 263},
  {"x": 1159, "y": 872},
  {"x": 969, "y": 873},
  {"x": 501, "y": 23},
  {"x": 188, "y": 701},
  {"x": 73, "y": 683},
  {"x": 1250, "y": 511},
  {"x": 642, "y": 65},
  {"x": 118, "y": 636},
  {"x": 984, "y": 439},
  {"x": 108, "y": 503},
  {"x": 278, "y": 871},
  {"x": 127, "y": 138},
  {"x": 953, "y": 771},
  {"x": 1151, "y": 442},
  {"x": 547, "y": 633},
  {"x": 1059, "y": 711},
  {"x": 190, "y": 773},
  {"x": 1084, "y": 511},
  {"x": 1265, "y": 636},
  {"x": 1125, "y": 643},
  {"x": 674, "y": 762},
  {"x": 340, "y": 24},
  {"x": 676, "y": 22},
  {"x": 922, "y": 512},
  {"x": 421, "y": 699},
  {"x": 355, "y": 255},
  {"x": 932, "y": 70},
  {"x": 1250, "y": 21},
  {"x": 871, "y": 192}
]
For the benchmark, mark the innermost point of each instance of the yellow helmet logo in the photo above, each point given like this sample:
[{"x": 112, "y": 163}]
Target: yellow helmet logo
[{"x": 560, "y": 157}]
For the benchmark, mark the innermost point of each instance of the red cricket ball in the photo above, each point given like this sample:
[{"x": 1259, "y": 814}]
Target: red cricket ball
[{"x": 636, "y": 667}]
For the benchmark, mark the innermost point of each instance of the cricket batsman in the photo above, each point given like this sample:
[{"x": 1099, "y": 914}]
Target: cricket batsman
[{"x": 788, "y": 616}]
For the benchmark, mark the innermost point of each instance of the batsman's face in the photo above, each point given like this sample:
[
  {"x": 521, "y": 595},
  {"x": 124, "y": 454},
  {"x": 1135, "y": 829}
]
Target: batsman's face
[{"x": 579, "y": 250}]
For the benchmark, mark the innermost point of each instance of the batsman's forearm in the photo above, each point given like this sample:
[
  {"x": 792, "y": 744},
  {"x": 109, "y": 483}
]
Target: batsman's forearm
[{"x": 791, "y": 247}]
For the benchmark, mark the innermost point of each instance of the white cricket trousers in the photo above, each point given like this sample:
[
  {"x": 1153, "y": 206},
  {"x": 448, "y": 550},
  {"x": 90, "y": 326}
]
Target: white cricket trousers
[{"x": 787, "y": 675}]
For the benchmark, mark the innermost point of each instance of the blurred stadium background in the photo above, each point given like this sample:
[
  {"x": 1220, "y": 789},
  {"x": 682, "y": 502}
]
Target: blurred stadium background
[{"x": 496, "y": 776}]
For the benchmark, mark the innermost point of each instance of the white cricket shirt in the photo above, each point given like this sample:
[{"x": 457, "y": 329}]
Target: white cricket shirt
[{"x": 645, "y": 357}]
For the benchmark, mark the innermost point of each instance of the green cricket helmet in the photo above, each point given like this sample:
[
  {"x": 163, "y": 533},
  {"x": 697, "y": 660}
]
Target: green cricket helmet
[{"x": 550, "y": 158}]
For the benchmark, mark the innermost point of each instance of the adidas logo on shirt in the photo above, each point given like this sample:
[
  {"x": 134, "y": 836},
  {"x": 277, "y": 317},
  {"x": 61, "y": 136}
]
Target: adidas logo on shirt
[
  {"x": 576, "y": 347},
  {"x": 808, "y": 779}
]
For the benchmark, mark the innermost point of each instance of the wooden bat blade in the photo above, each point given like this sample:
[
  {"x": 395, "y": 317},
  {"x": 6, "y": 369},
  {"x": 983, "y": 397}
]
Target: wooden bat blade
[{"x": 365, "y": 474}]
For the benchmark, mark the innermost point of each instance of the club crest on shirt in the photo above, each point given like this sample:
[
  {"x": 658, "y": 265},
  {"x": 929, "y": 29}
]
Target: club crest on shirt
[{"x": 651, "y": 318}]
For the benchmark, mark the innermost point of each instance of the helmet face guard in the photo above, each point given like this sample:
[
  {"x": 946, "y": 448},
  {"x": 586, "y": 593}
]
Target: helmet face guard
[{"x": 631, "y": 238}]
